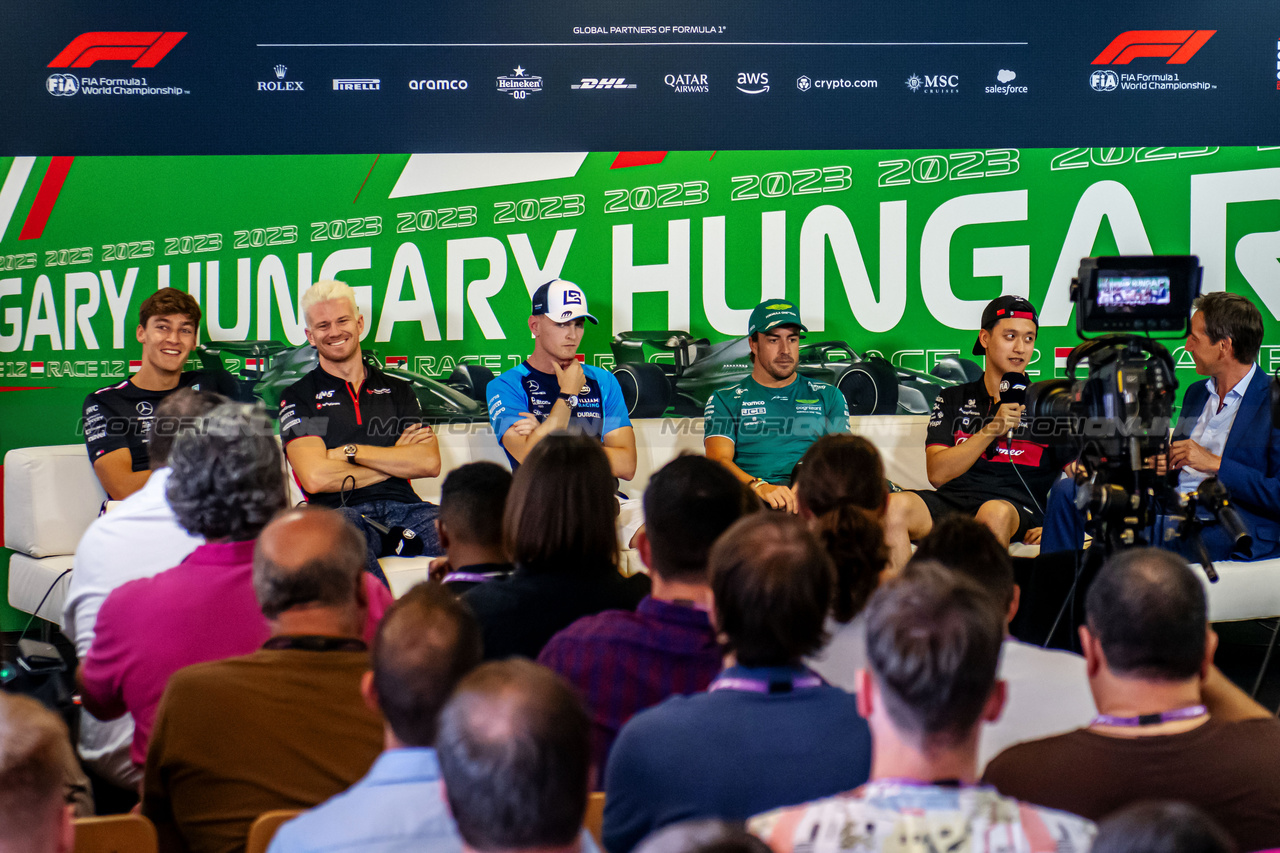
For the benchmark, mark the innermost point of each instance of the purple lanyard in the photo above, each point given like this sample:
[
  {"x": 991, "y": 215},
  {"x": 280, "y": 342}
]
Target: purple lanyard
[
  {"x": 467, "y": 577},
  {"x": 1151, "y": 719},
  {"x": 759, "y": 685}
]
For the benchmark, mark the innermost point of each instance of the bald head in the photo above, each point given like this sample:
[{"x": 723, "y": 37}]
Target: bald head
[
  {"x": 515, "y": 754},
  {"x": 307, "y": 557}
]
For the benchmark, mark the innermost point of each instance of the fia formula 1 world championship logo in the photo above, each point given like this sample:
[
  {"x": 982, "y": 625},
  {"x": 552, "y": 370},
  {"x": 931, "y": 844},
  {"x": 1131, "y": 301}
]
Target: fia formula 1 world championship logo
[
  {"x": 1178, "y": 45},
  {"x": 145, "y": 49}
]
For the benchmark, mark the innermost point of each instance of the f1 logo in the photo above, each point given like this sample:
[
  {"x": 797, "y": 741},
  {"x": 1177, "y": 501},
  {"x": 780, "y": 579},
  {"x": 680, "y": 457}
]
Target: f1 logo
[
  {"x": 1178, "y": 45},
  {"x": 146, "y": 49}
]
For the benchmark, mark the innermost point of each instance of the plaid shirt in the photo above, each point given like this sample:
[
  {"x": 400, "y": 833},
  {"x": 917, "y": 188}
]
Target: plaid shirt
[{"x": 623, "y": 662}]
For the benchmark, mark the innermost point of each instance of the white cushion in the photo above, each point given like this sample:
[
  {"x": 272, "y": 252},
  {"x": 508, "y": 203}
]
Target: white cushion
[
  {"x": 404, "y": 573},
  {"x": 900, "y": 440},
  {"x": 1243, "y": 590},
  {"x": 31, "y": 580},
  {"x": 51, "y": 495}
]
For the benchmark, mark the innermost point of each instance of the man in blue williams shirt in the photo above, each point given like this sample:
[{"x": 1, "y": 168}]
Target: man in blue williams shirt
[
  {"x": 426, "y": 642},
  {"x": 1225, "y": 430},
  {"x": 551, "y": 390}
]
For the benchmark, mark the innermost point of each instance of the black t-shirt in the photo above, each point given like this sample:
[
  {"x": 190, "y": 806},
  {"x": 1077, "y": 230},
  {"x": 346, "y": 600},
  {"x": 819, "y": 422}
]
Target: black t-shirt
[
  {"x": 328, "y": 407},
  {"x": 958, "y": 413},
  {"x": 519, "y": 613},
  {"x": 120, "y": 415}
]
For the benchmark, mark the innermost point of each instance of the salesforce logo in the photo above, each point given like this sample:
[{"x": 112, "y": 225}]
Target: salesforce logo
[{"x": 1005, "y": 78}]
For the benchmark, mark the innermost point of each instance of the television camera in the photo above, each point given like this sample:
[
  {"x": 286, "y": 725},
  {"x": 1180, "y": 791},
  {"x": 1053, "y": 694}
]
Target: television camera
[{"x": 1120, "y": 415}]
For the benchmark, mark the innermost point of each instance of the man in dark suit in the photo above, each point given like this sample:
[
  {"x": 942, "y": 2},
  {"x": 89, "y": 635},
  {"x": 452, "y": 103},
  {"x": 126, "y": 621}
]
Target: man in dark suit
[{"x": 1225, "y": 431}]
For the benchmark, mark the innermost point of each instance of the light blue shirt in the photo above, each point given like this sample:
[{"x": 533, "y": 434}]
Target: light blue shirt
[
  {"x": 1214, "y": 426},
  {"x": 397, "y": 806}
]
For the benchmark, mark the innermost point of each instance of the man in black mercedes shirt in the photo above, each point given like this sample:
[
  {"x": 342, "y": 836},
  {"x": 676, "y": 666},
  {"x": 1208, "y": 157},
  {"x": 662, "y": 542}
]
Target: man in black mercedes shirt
[
  {"x": 354, "y": 435},
  {"x": 117, "y": 419},
  {"x": 980, "y": 457}
]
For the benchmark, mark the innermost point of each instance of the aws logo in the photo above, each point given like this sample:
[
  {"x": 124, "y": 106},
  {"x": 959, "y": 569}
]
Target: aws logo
[
  {"x": 1178, "y": 45},
  {"x": 145, "y": 50}
]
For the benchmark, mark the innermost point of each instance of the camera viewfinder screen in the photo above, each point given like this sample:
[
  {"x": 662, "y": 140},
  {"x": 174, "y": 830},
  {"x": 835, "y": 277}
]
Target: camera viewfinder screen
[{"x": 1123, "y": 291}]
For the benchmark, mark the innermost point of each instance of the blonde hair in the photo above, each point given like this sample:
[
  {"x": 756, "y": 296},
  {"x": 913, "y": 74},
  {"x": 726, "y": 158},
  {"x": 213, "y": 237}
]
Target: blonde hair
[
  {"x": 35, "y": 751},
  {"x": 324, "y": 291}
]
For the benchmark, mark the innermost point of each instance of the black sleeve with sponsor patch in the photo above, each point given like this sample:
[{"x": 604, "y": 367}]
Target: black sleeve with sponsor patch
[
  {"x": 107, "y": 426},
  {"x": 1020, "y": 469}
]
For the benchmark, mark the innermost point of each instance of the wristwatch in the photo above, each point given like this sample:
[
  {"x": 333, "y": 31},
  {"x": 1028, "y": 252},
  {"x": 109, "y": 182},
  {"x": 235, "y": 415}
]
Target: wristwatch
[
  {"x": 571, "y": 399},
  {"x": 350, "y": 450},
  {"x": 756, "y": 483}
]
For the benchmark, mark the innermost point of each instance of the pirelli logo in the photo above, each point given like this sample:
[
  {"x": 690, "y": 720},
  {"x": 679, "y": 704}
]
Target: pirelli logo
[
  {"x": 143, "y": 49},
  {"x": 1178, "y": 45}
]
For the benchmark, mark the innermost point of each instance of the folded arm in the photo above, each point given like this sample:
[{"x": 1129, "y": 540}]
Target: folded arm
[
  {"x": 115, "y": 473},
  {"x": 416, "y": 454},
  {"x": 318, "y": 473}
]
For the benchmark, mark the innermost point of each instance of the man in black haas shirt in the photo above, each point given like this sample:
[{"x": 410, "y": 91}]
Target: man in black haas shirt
[
  {"x": 354, "y": 435},
  {"x": 980, "y": 455},
  {"x": 117, "y": 419}
]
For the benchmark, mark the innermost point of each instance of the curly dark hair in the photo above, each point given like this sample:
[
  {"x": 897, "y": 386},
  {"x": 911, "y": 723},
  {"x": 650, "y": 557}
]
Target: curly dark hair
[{"x": 228, "y": 475}]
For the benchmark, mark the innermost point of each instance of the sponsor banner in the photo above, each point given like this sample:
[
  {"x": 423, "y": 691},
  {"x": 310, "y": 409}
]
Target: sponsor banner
[
  {"x": 818, "y": 76},
  {"x": 894, "y": 252}
]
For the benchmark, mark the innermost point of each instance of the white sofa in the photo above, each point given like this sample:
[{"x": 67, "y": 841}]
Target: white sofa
[{"x": 51, "y": 496}]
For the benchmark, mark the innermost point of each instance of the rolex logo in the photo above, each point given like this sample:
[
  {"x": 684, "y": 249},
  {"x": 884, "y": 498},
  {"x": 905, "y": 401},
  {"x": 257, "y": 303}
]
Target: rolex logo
[{"x": 280, "y": 70}]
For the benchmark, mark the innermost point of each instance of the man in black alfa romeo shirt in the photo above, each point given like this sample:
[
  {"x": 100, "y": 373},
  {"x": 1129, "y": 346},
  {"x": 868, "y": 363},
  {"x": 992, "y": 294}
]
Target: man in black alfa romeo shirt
[
  {"x": 117, "y": 419},
  {"x": 976, "y": 465},
  {"x": 354, "y": 435}
]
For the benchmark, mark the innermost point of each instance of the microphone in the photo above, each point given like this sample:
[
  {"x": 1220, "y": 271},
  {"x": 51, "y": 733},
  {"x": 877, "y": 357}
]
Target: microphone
[{"x": 1013, "y": 389}]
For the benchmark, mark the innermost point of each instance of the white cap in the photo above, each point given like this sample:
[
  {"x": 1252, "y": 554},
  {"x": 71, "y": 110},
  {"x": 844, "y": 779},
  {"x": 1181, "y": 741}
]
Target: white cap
[{"x": 561, "y": 301}]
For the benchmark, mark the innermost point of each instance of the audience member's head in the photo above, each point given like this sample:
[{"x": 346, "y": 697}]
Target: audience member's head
[
  {"x": 841, "y": 486},
  {"x": 705, "y": 835},
  {"x": 228, "y": 474},
  {"x": 561, "y": 510},
  {"x": 472, "y": 499},
  {"x": 966, "y": 545},
  {"x": 514, "y": 748},
  {"x": 687, "y": 505},
  {"x": 933, "y": 648},
  {"x": 311, "y": 559},
  {"x": 35, "y": 751},
  {"x": 1147, "y": 612},
  {"x": 181, "y": 411},
  {"x": 426, "y": 642},
  {"x": 1161, "y": 827},
  {"x": 772, "y": 583}
]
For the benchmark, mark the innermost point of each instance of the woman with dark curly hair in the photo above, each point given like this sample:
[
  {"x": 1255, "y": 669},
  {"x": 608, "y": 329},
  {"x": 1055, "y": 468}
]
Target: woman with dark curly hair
[
  {"x": 226, "y": 482},
  {"x": 558, "y": 530},
  {"x": 841, "y": 489}
]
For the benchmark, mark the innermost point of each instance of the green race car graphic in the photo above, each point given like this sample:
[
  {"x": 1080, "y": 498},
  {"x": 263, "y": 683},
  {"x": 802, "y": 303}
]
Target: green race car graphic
[{"x": 671, "y": 370}]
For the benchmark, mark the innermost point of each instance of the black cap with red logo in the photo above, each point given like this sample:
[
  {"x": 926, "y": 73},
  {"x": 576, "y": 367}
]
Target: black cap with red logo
[{"x": 1007, "y": 307}]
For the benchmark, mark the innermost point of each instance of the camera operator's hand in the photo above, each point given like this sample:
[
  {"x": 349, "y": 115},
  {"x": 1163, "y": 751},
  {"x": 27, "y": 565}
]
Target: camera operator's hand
[
  {"x": 571, "y": 378},
  {"x": 1158, "y": 463},
  {"x": 1188, "y": 454},
  {"x": 777, "y": 497},
  {"x": 1007, "y": 418}
]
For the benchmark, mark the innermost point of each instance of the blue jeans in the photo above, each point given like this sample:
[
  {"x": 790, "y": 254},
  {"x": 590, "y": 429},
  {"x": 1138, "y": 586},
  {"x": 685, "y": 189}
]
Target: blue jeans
[
  {"x": 1064, "y": 528},
  {"x": 418, "y": 517}
]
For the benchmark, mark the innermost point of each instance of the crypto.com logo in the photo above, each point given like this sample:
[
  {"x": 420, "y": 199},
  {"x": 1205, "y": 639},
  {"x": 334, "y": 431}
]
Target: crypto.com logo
[
  {"x": 1178, "y": 45},
  {"x": 145, "y": 49}
]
